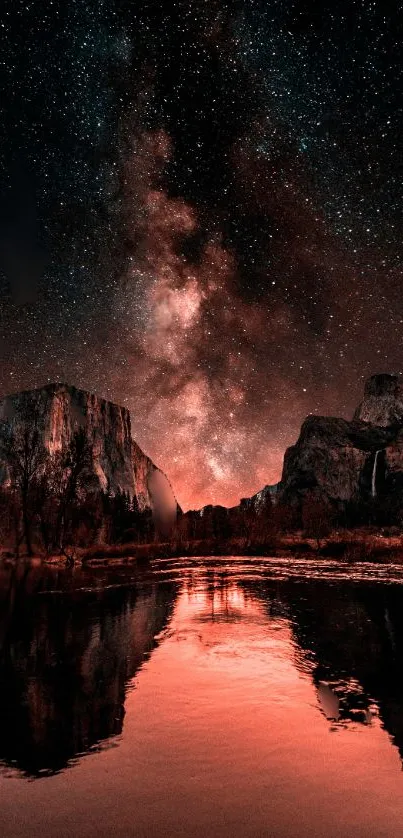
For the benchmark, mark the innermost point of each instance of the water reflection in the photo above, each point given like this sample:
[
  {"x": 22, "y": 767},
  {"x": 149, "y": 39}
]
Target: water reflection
[
  {"x": 69, "y": 645},
  {"x": 348, "y": 634},
  {"x": 352, "y": 634}
]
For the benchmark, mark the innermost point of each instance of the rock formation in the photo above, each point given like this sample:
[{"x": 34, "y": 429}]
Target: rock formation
[
  {"x": 383, "y": 401},
  {"x": 118, "y": 463},
  {"x": 337, "y": 461},
  {"x": 342, "y": 461}
]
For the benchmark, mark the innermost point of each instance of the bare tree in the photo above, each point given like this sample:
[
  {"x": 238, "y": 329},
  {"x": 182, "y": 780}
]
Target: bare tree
[
  {"x": 22, "y": 450},
  {"x": 59, "y": 491},
  {"x": 10, "y": 518},
  {"x": 317, "y": 518},
  {"x": 43, "y": 487},
  {"x": 75, "y": 461}
]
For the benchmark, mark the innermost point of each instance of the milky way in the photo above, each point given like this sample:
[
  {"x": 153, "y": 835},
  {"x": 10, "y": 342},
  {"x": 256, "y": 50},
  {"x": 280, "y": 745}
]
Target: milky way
[{"x": 201, "y": 219}]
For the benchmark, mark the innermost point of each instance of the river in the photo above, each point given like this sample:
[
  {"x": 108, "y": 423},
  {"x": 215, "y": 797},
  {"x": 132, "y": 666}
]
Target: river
[{"x": 202, "y": 697}]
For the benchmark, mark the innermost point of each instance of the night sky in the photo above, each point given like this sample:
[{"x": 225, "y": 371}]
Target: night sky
[{"x": 201, "y": 218}]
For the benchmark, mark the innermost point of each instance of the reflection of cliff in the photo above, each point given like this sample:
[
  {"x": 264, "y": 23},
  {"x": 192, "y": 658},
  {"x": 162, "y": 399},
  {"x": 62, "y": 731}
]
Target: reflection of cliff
[
  {"x": 352, "y": 637},
  {"x": 65, "y": 660},
  {"x": 349, "y": 637}
]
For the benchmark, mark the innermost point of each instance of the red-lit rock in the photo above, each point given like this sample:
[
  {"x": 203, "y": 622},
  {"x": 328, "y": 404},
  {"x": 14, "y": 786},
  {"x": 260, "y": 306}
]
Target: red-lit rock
[{"x": 119, "y": 464}]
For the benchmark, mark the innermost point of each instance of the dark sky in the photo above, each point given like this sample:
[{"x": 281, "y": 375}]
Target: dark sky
[{"x": 201, "y": 218}]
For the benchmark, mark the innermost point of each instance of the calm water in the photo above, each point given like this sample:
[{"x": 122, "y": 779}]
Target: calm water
[{"x": 225, "y": 697}]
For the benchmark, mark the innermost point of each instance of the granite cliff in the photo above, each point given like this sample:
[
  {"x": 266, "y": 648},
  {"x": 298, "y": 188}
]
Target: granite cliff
[
  {"x": 342, "y": 461},
  {"x": 335, "y": 460},
  {"x": 118, "y": 463}
]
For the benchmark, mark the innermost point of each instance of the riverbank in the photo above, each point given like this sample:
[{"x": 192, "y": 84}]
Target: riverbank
[
  {"x": 345, "y": 545},
  {"x": 348, "y": 546}
]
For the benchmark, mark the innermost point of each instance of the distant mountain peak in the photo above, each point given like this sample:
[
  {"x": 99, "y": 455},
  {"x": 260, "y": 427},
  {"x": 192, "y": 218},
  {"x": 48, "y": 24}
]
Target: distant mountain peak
[{"x": 383, "y": 400}]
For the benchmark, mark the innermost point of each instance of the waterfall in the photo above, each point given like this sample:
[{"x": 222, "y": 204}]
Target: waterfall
[{"x": 373, "y": 487}]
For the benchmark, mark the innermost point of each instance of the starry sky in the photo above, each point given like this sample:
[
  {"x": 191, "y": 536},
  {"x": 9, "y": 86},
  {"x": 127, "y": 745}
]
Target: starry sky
[{"x": 200, "y": 218}]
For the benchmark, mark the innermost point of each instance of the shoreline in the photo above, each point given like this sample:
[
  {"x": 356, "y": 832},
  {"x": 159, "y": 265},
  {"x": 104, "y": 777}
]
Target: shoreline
[{"x": 348, "y": 547}]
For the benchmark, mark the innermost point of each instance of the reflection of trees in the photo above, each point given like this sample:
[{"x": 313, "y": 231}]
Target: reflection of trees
[
  {"x": 220, "y": 598},
  {"x": 65, "y": 660}
]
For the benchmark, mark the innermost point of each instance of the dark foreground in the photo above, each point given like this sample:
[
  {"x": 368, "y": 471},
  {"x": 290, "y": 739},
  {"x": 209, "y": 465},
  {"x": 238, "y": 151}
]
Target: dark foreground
[{"x": 196, "y": 697}]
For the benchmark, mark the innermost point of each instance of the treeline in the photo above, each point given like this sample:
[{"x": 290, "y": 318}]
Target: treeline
[
  {"x": 251, "y": 523},
  {"x": 310, "y": 514}
]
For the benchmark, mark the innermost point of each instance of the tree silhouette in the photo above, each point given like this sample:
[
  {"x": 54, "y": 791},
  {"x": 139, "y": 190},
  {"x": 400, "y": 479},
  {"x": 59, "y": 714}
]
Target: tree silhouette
[{"x": 23, "y": 452}]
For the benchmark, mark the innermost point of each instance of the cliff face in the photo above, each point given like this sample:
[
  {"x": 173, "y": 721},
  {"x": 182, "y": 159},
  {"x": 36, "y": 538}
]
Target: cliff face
[
  {"x": 339, "y": 460},
  {"x": 262, "y": 500},
  {"x": 59, "y": 410}
]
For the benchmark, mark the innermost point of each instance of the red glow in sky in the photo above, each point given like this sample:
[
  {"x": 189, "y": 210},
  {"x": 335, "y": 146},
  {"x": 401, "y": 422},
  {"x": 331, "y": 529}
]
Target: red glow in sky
[{"x": 217, "y": 383}]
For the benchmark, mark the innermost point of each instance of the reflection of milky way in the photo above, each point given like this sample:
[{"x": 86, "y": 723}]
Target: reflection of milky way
[{"x": 212, "y": 193}]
